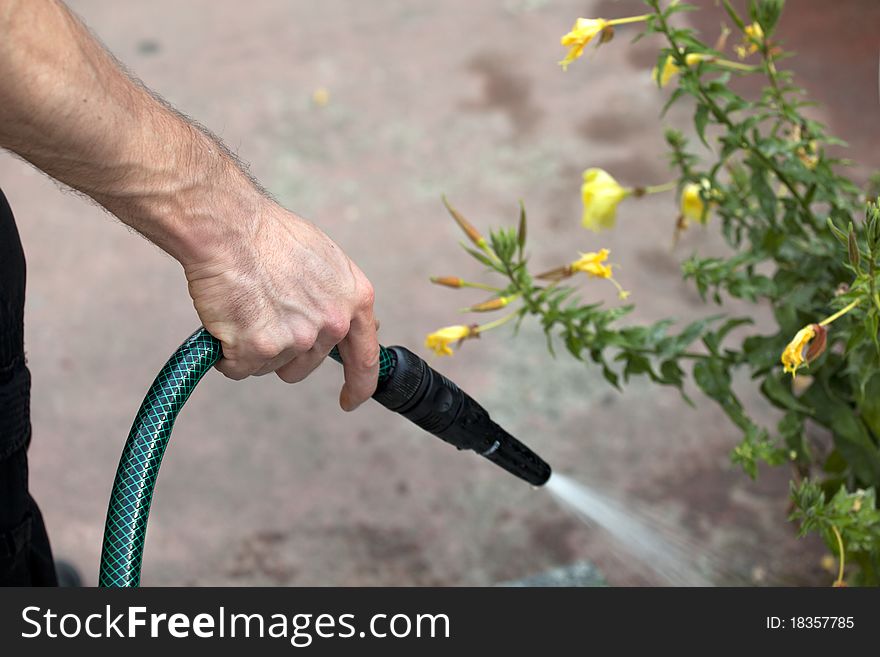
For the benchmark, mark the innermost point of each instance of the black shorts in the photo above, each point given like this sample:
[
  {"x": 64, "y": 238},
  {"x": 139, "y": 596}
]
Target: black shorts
[{"x": 25, "y": 555}]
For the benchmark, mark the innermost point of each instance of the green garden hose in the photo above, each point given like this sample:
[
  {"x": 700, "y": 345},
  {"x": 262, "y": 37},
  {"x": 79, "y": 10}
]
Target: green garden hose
[{"x": 407, "y": 385}]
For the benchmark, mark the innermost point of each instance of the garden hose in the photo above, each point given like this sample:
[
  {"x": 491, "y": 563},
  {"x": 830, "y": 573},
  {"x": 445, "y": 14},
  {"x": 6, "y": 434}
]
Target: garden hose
[{"x": 407, "y": 385}]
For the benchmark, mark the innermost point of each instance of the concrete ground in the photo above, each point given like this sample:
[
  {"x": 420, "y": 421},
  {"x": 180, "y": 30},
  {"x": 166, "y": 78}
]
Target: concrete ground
[{"x": 270, "y": 484}]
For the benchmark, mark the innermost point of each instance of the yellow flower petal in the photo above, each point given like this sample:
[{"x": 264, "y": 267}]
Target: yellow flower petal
[
  {"x": 670, "y": 68},
  {"x": 794, "y": 354},
  {"x": 601, "y": 195},
  {"x": 753, "y": 37},
  {"x": 584, "y": 31},
  {"x": 592, "y": 264},
  {"x": 439, "y": 340},
  {"x": 692, "y": 205}
]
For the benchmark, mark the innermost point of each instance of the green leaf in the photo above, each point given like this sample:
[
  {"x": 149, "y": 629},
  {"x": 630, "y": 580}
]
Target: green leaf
[
  {"x": 714, "y": 339},
  {"x": 611, "y": 376},
  {"x": 777, "y": 388},
  {"x": 869, "y": 405},
  {"x": 701, "y": 117},
  {"x": 712, "y": 379},
  {"x": 855, "y": 444},
  {"x": 521, "y": 232},
  {"x": 839, "y": 234},
  {"x": 479, "y": 256},
  {"x": 674, "y": 96},
  {"x": 765, "y": 194},
  {"x": 767, "y": 13},
  {"x": 734, "y": 16}
]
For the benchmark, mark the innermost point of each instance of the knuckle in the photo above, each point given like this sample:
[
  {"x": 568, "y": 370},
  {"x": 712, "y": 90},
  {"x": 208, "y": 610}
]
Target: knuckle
[
  {"x": 336, "y": 327},
  {"x": 264, "y": 348},
  {"x": 367, "y": 295},
  {"x": 303, "y": 340}
]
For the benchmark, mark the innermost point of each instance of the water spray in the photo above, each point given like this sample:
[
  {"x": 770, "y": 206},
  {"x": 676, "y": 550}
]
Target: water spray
[{"x": 407, "y": 385}]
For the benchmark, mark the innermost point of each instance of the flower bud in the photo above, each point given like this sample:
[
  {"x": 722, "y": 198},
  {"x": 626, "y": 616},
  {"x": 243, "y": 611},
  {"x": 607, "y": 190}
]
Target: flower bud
[
  {"x": 852, "y": 246},
  {"x": 448, "y": 281},
  {"x": 468, "y": 228},
  {"x": 492, "y": 304}
]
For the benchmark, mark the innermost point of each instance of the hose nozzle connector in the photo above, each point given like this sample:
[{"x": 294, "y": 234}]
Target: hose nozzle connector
[{"x": 437, "y": 405}]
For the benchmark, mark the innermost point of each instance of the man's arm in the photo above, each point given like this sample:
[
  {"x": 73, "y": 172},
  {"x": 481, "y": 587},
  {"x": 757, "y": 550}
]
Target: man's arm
[{"x": 273, "y": 288}]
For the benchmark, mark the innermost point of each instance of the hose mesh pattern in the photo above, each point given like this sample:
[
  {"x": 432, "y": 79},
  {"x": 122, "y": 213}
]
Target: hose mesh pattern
[
  {"x": 126, "y": 526},
  {"x": 129, "y": 510}
]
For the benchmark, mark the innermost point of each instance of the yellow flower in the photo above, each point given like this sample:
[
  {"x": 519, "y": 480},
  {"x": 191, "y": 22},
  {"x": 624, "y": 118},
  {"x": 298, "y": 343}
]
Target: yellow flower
[
  {"x": 584, "y": 31},
  {"x": 692, "y": 205},
  {"x": 591, "y": 264},
  {"x": 754, "y": 35},
  {"x": 601, "y": 194},
  {"x": 439, "y": 340},
  {"x": 802, "y": 350},
  {"x": 670, "y": 68}
]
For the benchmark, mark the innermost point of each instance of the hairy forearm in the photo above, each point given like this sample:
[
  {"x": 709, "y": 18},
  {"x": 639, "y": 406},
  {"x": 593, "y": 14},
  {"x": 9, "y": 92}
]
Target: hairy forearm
[{"x": 69, "y": 108}]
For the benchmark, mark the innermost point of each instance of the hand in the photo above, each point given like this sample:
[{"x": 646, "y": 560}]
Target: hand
[{"x": 280, "y": 296}]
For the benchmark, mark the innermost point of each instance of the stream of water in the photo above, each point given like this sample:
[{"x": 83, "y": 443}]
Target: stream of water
[{"x": 646, "y": 537}]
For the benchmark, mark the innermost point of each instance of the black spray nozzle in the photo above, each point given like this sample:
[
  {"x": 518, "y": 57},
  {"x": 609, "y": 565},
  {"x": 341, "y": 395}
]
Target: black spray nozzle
[{"x": 440, "y": 407}]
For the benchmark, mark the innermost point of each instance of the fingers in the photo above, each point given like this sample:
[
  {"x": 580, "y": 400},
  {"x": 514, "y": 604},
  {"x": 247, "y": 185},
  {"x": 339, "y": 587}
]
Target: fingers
[
  {"x": 360, "y": 360},
  {"x": 296, "y": 362},
  {"x": 302, "y": 365},
  {"x": 259, "y": 353}
]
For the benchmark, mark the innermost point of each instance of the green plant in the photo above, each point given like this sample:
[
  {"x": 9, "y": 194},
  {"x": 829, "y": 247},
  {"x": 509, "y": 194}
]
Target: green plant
[{"x": 804, "y": 240}]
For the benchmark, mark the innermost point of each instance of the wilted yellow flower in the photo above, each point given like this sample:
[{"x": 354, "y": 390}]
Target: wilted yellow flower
[
  {"x": 592, "y": 264},
  {"x": 754, "y": 35},
  {"x": 670, "y": 68},
  {"x": 692, "y": 205},
  {"x": 439, "y": 340},
  {"x": 802, "y": 350},
  {"x": 584, "y": 31},
  {"x": 601, "y": 195}
]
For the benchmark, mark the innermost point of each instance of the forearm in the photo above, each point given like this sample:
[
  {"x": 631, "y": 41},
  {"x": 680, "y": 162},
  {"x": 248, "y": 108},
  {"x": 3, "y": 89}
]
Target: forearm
[
  {"x": 69, "y": 108},
  {"x": 276, "y": 291}
]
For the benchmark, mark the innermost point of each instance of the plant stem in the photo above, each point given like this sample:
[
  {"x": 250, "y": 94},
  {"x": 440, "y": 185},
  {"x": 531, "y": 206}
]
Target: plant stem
[
  {"x": 735, "y": 66},
  {"x": 629, "y": 19},
  {"x": 841, "y": 553},
  {"x": 496, "y": 323},
  {"x": 481, "y": 286},
  {"x": 657, "y": 189},
  {"x": 840, "y": 313}
]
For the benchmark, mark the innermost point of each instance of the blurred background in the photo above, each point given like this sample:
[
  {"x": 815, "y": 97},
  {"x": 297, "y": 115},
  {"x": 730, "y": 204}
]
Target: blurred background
[{"x": 359, "y": 115}]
